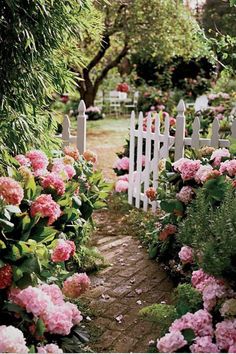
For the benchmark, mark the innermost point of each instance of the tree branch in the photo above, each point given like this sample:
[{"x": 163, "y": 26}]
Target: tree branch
[
  {"x": 105, "y": 44},
  {"x": 111, "y": 65}
]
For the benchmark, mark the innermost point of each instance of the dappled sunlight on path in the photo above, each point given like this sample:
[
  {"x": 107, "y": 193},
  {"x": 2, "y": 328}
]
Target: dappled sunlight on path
[
  {"x": 131, "y": 281},
  {"x": 106, "y": 137}
]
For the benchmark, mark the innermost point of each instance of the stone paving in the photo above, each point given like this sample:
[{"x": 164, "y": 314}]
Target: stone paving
[{"x": 130, "y": 282}]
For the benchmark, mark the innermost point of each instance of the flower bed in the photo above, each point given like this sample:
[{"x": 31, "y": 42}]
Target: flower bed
[
  {"x": 46, "y": 207},
  {"x": 195, "y": 239}
]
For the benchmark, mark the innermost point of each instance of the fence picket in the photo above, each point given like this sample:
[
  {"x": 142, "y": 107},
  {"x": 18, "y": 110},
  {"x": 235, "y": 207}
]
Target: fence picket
[
  {"x": 164, "y": 153},
  {"x": 139, "y": 161},
  {"x": 131, "y": 158},
  {"x": 146, "y": 171},
  {"x": 159, "y": 145},
  {"x": 156, "y": 157},
  {"x": 195, "y": 141},
  {"x": 233, "y": 129},
  {"x": 215, "y": 133},
  {"x": 65, "y": 131},
  {"x": 81, "y": 127},
  {"x": 180, "y": 130}
]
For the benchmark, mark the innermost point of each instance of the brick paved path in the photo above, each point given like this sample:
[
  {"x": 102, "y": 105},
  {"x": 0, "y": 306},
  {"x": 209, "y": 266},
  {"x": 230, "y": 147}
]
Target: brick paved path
[{"x": 131, "y": 282}]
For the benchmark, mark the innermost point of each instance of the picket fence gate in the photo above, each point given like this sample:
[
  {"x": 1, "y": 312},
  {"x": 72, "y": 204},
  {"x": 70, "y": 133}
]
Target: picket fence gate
[
  {"x": 158, "y": 146},
  {"x": 79, "y": 140}
]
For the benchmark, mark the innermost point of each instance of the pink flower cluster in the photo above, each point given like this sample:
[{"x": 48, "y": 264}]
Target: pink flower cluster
[
  {"x": 203, "y": 173},
  {"x": 186, "y": 254},
  {"x": 187, "y": 168},
  {"x": 76, "y": 285},
  {"x": 63, "y": 250},
  {"x": 218, "y": 154},
  {"x": 55, "y": 182},
  {"x": 121, "y": 186},
  {"x": 38, "y": 161},
  {"x": 171, "y": 342},
  {"x": 225, "y": 334},
  {"x": 185, "y": 195},
  {"x": 23, "y": 161},
  {"x": 72, "y": 151},
  {"x": 200, "y": 322},
  {"x": 122, "y": 164},
  {"x": 12, "y": 340},
  {"x": 228, "y": 167},
  {"x": 46, "y": 302},
  {"x": 204, "y": 345},
  {"x": 65, "y": 171},
  {"x": 46, "y": 207},
  {"x": 49, "y": 349},
  {"x": 210, "y": 287},
  {"x": 11, "y": 191}
]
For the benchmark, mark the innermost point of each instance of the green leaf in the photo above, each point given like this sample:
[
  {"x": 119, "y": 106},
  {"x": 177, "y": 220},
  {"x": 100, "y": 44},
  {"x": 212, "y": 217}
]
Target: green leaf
[
  {"x": 7, "y": 225},
  {"x": 13, "y": 209},
  {"x": 40, "y": 328},
  {"x": 189, "y": 335},
  {"x": 153, "y": 251},
  {"x": 17, "y": 273}
]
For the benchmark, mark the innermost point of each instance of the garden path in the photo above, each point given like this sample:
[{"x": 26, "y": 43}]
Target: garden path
[{"x": 130, "y": 282}]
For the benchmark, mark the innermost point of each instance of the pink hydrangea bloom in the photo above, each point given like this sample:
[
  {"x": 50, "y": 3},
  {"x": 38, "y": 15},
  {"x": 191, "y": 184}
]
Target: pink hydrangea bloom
[
  {"x": 38, "y": 160},
  {"x": 54, "y": 292},
  {"x": 72, "y": 151},
  {"x": 76, "y": 285},
  {"x": 225, "y": 334},
  {"x": 23, "y": 161},
  {"x": 203, "y": 173},
  {"x": 189, "y": 169},
  {"x": 218, "y": 154},
  {"x": 11, "y": 191},
  {"x": 200, "y": 279},
  {"x": 212, "y": 292},
  {"x": 178, "y": 164},
  {"x": 54, "y": 181},
  {"x": 90, "y": 156},
  {"x": 12, "y": 340},
  {"x": 64, "y": 170},
  {"x": 75, "y": 313},
  {"x": 34, "y": 300},
  {"x": 232, "y": 348},
  {"x": 200, "y": 322},
  {"x": 58, "y": 320},
  {"x": 204, "y": 345},
  {"x": 186, "y": 254},
  {"x": 122, "y": 164},
  {"x": 63, "y": 250},
  {"x": 229, "y": 167},
  {"x": 185, "y": 195},
  {"x": 49, "y": 349},
  {"x": 124, "y": 178},
  {"x": 171, "y": 342},
  {"x": 46, "y": 207},
  {"x": 121, "y": 186}
]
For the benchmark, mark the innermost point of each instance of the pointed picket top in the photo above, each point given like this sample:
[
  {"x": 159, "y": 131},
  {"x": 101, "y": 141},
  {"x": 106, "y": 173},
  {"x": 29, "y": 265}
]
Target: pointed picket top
[
  {"x": 181, "y": 106},
  {"x": 66, "y": 123},
  {"x": 215, "y": 133},
  {"x": 82, "y": 107},
  {"x": 149, "y": 122},
  {"x": 195, "y": 143},
  {"x": 233, "y": 129},
  {"x": 140, "y": 121}
]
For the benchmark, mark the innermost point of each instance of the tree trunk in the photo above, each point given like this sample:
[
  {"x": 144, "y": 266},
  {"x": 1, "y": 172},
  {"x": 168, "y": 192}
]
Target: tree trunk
[{"x": 89, "y": 97}]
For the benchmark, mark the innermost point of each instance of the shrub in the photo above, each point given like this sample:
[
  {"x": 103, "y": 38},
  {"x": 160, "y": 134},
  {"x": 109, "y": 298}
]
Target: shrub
[
  {"x": 187, "y": 299},
  {"x": 211, "y": 232},
  {"x": 161, "y": 314}
]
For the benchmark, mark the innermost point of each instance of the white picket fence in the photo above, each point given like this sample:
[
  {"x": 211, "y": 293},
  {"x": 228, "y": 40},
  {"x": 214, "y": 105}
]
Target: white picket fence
[
  {"x": 158, "y": 144},
  {"x": 79, "y": 140}
]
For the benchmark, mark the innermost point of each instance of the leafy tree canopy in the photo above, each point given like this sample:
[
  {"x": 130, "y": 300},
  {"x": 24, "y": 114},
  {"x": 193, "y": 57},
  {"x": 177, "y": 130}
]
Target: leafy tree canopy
[{"x": 155, "y": 28}]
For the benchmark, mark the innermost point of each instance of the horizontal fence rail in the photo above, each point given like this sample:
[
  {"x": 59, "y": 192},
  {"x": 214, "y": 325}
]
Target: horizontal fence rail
[{"x": 149, "y": 147}]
